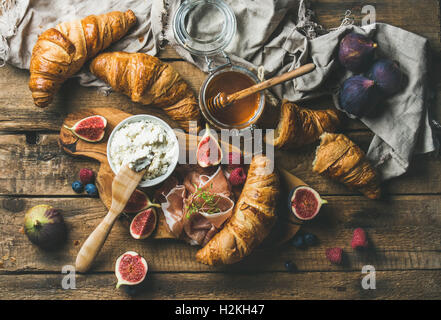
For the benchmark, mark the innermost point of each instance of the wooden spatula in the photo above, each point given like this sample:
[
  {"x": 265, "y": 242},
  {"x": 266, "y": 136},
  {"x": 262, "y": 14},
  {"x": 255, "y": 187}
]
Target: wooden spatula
[{"x": 123, "y": 185}]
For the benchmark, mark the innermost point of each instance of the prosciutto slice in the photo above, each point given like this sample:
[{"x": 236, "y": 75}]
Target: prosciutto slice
[
  {"x": 198, "y": 227},
  {"x": 173, "y": 209}
]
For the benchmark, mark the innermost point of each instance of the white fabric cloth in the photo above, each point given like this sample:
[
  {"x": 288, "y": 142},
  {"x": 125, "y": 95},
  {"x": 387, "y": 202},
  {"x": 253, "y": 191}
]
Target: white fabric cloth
[{"x": 276, "y": 34}]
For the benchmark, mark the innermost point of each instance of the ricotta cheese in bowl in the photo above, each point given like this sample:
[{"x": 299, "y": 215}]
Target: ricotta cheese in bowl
[{"x": 144, "y": 141}]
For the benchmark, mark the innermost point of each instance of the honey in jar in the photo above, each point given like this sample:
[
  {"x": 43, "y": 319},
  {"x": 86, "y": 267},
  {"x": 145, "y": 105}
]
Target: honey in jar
[{"x": 241, "y": 111}]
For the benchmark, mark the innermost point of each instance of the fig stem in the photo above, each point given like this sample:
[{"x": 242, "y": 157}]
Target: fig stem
[
  {"x": 37, "y": 224},
  {"x": 152, "y": 204},
  {"x": 324, "y": 201}
]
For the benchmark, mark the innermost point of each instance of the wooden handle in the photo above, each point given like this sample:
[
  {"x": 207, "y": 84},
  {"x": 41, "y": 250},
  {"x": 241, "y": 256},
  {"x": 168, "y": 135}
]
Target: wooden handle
[
  {"x": 123, "y": 185},
  {"x": 270, "y": 82},
  {"x": 94, "y": 242}
]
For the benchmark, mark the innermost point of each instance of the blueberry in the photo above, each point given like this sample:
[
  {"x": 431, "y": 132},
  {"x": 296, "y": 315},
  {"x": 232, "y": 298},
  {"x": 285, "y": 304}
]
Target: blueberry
[
  {"x": 130, "y": 290},
  {"x": 310, "y": 239},
  {"x": 290, "y": 267},
  {"x": 91, "y": 189},
  {"x": 297, "y": 241},
  {"x": 77, "y": 186}
]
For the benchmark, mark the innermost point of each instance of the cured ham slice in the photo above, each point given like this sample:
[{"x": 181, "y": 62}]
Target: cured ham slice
[
  {"x": 198, "y": 227},
  {"x": 173, "y": 209}
]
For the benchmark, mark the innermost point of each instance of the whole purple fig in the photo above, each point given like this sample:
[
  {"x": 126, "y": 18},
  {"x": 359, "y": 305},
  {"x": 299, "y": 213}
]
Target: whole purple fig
[
  {"x": 356, "y": 52},
  {"x": 387, "y": 76},
  {"x": 45, "y": 227},
  {"x": 359, "y": 96}
]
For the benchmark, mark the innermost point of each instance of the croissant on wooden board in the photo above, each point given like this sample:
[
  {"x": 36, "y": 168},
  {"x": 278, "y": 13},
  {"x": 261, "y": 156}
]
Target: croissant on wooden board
[
  {"x": 60, "y": 52},
  {"x": 148, "y": 80},
  {"x": 339, "y": 158},
  {"x": 301, "y": 126},
  {"x": 252, "y": 220}
]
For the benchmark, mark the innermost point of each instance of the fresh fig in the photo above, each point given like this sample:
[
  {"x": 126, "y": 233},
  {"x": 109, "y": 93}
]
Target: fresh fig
[
  {"x": 359, "y": 96},
  {"x": 143, "y": 224},
  {"x": 356, "y": 52},
  {"x": 305, "y": 202},
  {"x": 130, "y": 269},
  {"x": 91, "y": 129},
  {"x": 139, "y": 201},
  {"x": 387, "y": 76},
  {"x": 45, "y": 227},
  {"x": 209, "y": 153}
]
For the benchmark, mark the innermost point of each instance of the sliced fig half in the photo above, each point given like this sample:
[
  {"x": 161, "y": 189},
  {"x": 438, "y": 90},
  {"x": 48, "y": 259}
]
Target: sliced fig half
[
  {"x": 91, "y": 129},
  {"x": 130, "y": 269},
  {"x": 305, "y": 202},
  {"x": 139, "y": 201},
  {"x": 209, "y": 153},
  {"x": 143, "y": 224}
]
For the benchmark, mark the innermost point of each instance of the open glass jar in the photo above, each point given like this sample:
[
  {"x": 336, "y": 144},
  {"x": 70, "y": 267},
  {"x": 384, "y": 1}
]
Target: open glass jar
[{"x": 205, "y": 28}]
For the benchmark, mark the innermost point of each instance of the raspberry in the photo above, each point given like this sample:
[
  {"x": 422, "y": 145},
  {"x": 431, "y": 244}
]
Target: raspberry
[
  {"x": 359, "y": 239},
  {"x": 235, "y": 160},
  {"x": 86, "y": 176},
  {"x": 334, "y": 255},
  {"x": 237, "y": 177}
]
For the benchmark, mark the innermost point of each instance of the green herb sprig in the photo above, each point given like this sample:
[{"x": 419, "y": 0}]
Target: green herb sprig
[{"x": 209, "y": 203}]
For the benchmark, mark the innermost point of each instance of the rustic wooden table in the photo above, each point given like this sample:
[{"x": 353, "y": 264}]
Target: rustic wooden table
[{"x": 404, "y": 228}]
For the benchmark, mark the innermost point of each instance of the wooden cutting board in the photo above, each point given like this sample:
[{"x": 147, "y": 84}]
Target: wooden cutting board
[{"x": 287, "y": 225}]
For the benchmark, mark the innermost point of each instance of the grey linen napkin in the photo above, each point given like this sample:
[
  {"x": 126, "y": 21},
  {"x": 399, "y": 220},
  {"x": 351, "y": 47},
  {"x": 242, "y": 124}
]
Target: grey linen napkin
[{"x": 276, "y": 34}]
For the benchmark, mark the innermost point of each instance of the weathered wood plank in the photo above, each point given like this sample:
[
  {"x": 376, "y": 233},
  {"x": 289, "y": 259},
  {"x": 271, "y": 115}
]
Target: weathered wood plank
[
  {"x": 43, "y": 169},
  {"x": 421, "y": 17},
  {"x": 268, "y": 286},
  {"x": 18, "y": 112},
  {"x": 404, "y": 233}
]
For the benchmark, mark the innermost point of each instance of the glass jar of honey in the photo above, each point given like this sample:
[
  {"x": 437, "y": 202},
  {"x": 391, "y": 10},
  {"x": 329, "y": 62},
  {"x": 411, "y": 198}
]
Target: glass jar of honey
[{"x": 205, "y": 28}]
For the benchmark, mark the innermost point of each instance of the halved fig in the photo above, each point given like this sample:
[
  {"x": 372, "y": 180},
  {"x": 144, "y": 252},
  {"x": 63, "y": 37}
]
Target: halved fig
[
  {"x": 130, "y": 269},
  {"x": 209, "y": 152},
  {"x": 139, "y": 201},
  {"x": 305, "y": 202},
  {"x": 143, "y": 224},
  {"x": 91, "y": 129}
]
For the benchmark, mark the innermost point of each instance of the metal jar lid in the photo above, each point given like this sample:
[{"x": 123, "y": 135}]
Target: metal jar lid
[{"x": 204, "y": 27}]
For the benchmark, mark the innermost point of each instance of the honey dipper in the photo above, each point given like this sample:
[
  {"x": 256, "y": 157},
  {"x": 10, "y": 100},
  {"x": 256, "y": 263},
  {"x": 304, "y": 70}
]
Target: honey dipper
[{"x": 221, "y": 100}]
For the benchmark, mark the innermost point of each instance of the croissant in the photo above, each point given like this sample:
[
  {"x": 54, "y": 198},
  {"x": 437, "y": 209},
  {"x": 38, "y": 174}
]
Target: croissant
[
  {"x": 252, "y": 219},
  {"x": 300, "y": 126},
  {"x": 341, "y": 159},
  {"x": 148, "y": 80},
  {"x": 60, "y": 52}
]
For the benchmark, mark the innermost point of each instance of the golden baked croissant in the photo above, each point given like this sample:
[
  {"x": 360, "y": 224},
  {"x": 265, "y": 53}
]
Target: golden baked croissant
[
  {"x": 60, "y": 52},
  {"x": 148, "y": 80},
  {"x": 300, "y": 126},
  {"x": 341, "y": 159},
  {"x": 252, "y": 219}
]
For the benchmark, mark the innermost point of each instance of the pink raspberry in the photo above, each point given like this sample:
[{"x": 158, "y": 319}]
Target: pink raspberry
[
  {"x": 235, "y": 160},
  {"x": 359, "y": 239},
  {"x": 237, "y": 177},
  {"x": 334, "y": 255},
  {"x": 86, "y": 176}
]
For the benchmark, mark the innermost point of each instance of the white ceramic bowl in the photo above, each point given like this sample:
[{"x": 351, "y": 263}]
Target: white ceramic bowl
[{"x": 168, "y": 129}]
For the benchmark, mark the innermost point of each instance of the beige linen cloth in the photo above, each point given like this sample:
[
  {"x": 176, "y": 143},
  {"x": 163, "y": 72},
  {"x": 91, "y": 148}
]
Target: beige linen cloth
[{"x": 276, "y": 34}]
